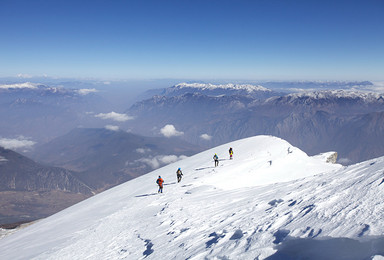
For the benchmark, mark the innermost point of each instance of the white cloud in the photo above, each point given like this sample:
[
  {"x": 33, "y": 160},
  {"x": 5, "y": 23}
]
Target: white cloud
[
  {"x": 378, "y": 86},
  {"x": 19, "y": 85},
  {"x": 206, "y": 137},
  {"x": 25, "y": 76},
  {"x": 3, "y": 159},
  {"x": 21, "y": 142},
  {"x": 153, "y": 163},
  {"x": 167, "y": 159},
  {"x": 112, "y": 127},
  {"x": 114, "y": 116},
  {"x": 344, "y": 161},
  {"x": 161, "y": 160},
  {"x": 86, "y": 91},
  {"x": 143, "y": 150},
  {"x": 169, "y": 131}
]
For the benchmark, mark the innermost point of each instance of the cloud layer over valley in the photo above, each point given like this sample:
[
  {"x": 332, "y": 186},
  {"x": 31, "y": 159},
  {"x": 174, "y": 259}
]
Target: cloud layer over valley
[{"x": 18, "y": 143}]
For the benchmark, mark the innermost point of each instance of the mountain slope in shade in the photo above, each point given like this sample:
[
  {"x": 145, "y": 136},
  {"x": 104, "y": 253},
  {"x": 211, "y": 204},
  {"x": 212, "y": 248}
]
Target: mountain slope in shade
[
  {"x": 271, "y": 201},
  {"x": 20, "y": 173},
  {"x": 29, "y": 190}
]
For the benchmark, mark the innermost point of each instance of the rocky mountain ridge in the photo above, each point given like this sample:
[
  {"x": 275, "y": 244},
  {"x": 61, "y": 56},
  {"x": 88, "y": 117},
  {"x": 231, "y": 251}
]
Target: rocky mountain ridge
[
  {"x": 315, "y": 121},
  {"x": 30, "y": 190},
  {"x": 208, "y": 89},
  {"x": 20, "y": 173}
]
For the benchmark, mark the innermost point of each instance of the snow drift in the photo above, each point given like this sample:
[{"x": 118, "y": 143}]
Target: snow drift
[{"x": 271, "y": 201}]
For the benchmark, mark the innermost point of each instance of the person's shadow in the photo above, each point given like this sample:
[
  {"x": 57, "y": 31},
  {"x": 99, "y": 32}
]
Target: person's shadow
[
  {"x": 145, "y": 195},
  {"x": 171, "y": 183},
  {"x": 200, "y": 169}
]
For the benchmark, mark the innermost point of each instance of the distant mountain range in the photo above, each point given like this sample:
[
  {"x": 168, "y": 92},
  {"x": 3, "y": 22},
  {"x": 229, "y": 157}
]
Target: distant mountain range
[
  {"x": 254, "y": 91},
  {"x": 259, "y": 90},
  {"x": 43, "y": 112},
  {"x": 349, "y": 122},
  {"x": 290, "y": 86}
]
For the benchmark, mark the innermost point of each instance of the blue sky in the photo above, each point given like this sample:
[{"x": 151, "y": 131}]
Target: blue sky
[{"x": 199, "y": 40}]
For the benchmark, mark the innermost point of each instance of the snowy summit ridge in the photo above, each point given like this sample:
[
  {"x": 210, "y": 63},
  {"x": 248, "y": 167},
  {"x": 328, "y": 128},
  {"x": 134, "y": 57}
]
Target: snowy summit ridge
[
  {"x": 208, "y": 86},
  {"x": 272, "y": 201},
  {"x": 209, "y": 89},
  {"x": 326, "y": 94},
  {"x": 44, "y": 89},
  {"x": 25, "y": 85}
]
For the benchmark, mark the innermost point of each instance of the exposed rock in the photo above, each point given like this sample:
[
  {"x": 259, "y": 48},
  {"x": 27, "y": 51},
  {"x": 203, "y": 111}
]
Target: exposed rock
[{"x": 332, "y": 158}]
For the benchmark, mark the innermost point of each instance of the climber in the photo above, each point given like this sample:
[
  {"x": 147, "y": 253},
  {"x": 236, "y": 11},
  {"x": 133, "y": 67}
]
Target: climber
[
  {"x": 159, "y": 182},
  {"x": 179, "y": 174},
  {"x": 216, "y": 158}
]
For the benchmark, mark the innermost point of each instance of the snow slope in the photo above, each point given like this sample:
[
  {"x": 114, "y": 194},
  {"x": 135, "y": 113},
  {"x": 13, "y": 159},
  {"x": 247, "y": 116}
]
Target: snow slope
[{"x": 265, "y": 203}]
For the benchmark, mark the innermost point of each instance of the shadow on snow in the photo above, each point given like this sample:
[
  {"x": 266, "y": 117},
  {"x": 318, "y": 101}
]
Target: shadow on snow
[
  {"x": 328, "y": 248},
  {"x": 200, "y": 169},
  {"x": 171, "y": 183},
  {"x": 146, "y": 195}
]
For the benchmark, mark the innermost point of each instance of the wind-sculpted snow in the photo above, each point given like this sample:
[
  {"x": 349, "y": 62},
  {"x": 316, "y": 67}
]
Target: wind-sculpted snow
[{"x": 270, "y": 201}]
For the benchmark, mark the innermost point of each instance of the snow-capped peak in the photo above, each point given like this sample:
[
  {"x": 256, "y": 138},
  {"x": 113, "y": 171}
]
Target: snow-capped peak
[
  {"x": 229, "y": 86},
  {"x": 337, "y": 94},
  {"x": 25, "y": 85},
  {"x": 47, "y": 89},
  {"x": 329, "y": 95}
]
